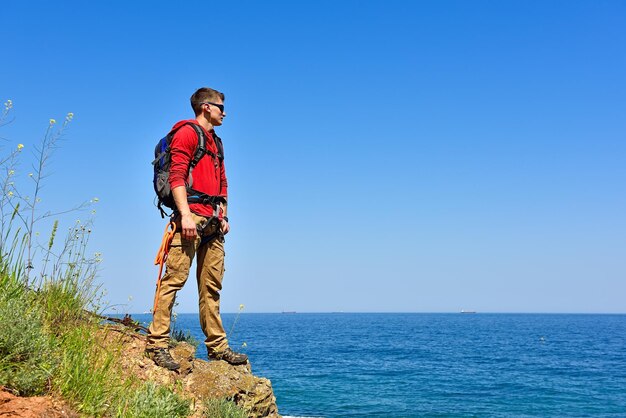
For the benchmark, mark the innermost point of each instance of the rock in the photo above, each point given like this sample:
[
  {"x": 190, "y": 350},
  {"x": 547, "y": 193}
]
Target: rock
[
  {"x": 183, "y": 354},
  {"x": 218, "y": 379}
]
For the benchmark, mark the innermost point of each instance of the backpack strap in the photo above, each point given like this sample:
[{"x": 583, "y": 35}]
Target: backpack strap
[
  {"x": 201, "y": 150},
  {"x": 219, "y": 146}
]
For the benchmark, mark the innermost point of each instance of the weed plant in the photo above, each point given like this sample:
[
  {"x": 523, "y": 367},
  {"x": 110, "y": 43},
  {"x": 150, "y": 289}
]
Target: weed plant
[
  {"x": 179, "y": 336},
  {"x": 152, "y": 401}
]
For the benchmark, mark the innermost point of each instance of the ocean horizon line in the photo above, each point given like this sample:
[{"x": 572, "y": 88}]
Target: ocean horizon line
[{"x": 388, "y": 313}]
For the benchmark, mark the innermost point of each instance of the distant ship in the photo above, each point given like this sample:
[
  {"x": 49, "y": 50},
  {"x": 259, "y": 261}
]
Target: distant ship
[
  {"x": 464, "y": 311},
  {"x": 289, "y": 312}
]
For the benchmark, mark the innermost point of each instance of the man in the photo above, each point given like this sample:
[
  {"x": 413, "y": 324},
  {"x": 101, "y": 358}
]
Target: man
[{"x": 201, "y": 222}]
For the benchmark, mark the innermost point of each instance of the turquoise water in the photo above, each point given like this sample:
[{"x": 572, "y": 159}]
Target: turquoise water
[{"x": 435, "y": 365}]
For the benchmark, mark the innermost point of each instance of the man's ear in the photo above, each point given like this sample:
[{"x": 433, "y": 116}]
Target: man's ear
[{"x": 206, "y": 111}]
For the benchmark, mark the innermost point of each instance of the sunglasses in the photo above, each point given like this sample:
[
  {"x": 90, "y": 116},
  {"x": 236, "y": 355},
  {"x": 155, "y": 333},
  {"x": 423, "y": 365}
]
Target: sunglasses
[{"x": 219, "y": 106}]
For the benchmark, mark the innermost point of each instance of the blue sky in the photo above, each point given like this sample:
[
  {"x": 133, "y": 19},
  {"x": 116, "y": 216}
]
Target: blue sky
[{"x": 397, "y": 156}]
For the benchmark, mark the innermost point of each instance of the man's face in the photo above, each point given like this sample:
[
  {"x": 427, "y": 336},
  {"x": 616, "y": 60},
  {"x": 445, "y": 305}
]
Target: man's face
[{"x": 215, "y": 113}]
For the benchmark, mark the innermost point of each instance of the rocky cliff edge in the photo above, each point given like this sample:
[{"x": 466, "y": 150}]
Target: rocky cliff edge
[{"x": 197, "y": 379}]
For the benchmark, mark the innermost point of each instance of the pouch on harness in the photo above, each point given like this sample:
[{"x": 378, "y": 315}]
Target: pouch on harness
[{"x": 162, "y": 162}]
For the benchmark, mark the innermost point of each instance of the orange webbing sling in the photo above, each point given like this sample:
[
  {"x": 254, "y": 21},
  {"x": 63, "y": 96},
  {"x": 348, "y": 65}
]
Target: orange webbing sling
[{"x": 161, "y": 258}]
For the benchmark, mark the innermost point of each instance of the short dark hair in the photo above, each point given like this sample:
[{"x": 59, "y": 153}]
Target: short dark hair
[{"x": 203, "y": 95}]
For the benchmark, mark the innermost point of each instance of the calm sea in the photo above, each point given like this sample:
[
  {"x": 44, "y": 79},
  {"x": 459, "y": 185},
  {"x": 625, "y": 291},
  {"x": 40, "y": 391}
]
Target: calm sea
[{"x": 435, "y": 365}]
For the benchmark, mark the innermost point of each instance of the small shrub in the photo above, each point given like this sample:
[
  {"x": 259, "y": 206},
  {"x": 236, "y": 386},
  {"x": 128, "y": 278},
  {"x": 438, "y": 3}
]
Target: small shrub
[
  {"x": 179, "y": 336},
  {"x": 223, "y": 408},
  {"x": 152, "y": 401},
  {"x": 26, "y": 362}
]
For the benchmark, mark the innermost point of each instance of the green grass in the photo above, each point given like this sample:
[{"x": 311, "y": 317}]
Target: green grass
[
  {"x": 86, "y": 375},
  {"x": 223, "y": 408},
  {"x": 152, "y": 401}
]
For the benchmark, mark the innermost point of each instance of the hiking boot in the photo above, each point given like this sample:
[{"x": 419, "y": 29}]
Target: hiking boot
[
  {"x": 162, "y": 358},
  {"x": 230, "y": 356}
]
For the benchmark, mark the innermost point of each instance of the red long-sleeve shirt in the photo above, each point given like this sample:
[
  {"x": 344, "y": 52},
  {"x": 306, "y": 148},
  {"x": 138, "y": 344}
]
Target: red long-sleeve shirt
[{"x": 209, "y": 176}]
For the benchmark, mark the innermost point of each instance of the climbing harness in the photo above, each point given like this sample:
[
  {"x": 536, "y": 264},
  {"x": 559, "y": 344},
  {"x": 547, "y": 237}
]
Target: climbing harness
[{"x": 214, "y": 222}]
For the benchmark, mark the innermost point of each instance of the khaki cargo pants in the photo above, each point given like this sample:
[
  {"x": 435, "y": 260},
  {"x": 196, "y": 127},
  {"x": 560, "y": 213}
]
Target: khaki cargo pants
[{"x": 209, "y": 274}]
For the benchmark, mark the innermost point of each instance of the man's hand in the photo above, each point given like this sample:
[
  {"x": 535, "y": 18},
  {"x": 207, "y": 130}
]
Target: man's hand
[
  {"x": 189, "y": 227},
  {"x": 187, "y": 224},
  {"x": 225, "y": 226}
]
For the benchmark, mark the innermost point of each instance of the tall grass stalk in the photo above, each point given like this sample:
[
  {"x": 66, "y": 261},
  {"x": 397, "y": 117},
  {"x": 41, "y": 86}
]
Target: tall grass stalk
[
  {"x": 4, "y": 115},
  {"x": 232, "y": 327}
]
